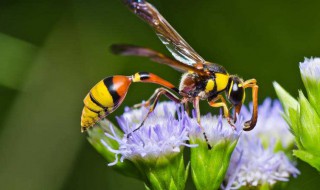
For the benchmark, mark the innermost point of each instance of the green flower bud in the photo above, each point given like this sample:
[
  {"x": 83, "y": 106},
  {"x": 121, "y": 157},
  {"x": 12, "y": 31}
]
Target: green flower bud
[
  {"x": 303, "y": 115},
  {"x": 310, "y": 74},
  {"x": 209, "y": 166}
]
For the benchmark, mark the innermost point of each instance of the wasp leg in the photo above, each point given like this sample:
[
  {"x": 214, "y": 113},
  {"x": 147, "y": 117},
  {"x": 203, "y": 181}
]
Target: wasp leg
[
  {"x": 252, "y": 83},
  {"x": 151, "y": 99},
  {"x": 153, "y": 103},
  {"x": 186, "y": 107},
  {"x": 146, "y": 77},
  {"x": 236, "y": 112},
  {"x": 196, "y": 106},
  {"x": 223, "y": 104}
]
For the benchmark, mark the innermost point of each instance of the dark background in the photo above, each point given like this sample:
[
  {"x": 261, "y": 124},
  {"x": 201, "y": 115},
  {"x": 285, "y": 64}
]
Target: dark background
[{"x": 53, "y": 51}]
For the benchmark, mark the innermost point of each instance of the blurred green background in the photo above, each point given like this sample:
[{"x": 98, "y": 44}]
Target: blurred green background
[{"x": 53, "y": 51}]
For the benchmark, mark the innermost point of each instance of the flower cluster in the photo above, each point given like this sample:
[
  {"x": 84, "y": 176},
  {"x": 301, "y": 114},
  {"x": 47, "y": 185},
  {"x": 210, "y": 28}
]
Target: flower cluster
[
  {"x": 154, "y": 153},
  {"x": 303, "y": 114},
  {"x": 161, "y": 134},
  {"x": 259, "y": 158}
]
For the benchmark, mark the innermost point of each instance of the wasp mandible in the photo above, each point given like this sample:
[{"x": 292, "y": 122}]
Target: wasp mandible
[{"x": 202, "y": 80}]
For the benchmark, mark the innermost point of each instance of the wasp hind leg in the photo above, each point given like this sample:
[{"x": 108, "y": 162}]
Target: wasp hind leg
[{"x": 153, "y": 100}]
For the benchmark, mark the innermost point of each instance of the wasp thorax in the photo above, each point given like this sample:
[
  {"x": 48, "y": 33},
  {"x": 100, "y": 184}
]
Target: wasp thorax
[
  {"x": 188, "y": 83},
  {"x": 236, "y": 91}
]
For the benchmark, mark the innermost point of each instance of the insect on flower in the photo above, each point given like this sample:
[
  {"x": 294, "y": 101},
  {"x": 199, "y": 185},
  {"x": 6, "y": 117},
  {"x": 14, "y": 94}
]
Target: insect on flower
[{"x": 202, "y": 80}]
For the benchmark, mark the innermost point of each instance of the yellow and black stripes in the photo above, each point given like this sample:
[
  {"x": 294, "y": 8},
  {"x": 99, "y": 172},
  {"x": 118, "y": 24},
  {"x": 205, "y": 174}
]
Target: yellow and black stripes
[
  {"x": 112, "y": 83},
  {"x": 140, "y": 76},
  {"x": 147, "y": 77},
  {"x": 103, "y": 99},
  {"x": 108, "y": 94}
]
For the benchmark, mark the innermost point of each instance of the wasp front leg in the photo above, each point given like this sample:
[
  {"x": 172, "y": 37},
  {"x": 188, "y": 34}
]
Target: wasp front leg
[
  {"x": 252, "y": 83},
  {"x": 223, "y": 104}
]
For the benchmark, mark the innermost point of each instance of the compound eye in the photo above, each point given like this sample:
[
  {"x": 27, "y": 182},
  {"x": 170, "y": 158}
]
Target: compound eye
[
  {"x": 235, "y": 87},
  {"x": 237, "y": 93}
]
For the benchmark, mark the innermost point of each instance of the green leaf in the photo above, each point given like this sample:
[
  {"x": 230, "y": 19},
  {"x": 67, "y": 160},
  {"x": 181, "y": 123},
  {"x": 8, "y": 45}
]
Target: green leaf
[
  {"x": 187, "y": 172},
  {"x": 156, "y": 184},
  {"x": 172, "y": 185},
  {"x": 310, "y": 125},
  {"x": 295, "y": 125},
  {"x": 147, "y": 188},
  {"x": 313, "y": 90},
  {"x": 285, "y": 98},
  {"x": 313, "y": 160},
  {"x": 163, "y": 172}
]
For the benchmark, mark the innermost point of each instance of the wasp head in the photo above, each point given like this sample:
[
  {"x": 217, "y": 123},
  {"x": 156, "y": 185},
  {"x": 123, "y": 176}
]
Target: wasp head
[{"x": 235, "y": 90}]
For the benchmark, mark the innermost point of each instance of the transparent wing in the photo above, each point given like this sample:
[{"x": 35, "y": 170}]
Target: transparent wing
[
  {"x": 178, "y": 47},
  {"x": 132, "y": 50}
]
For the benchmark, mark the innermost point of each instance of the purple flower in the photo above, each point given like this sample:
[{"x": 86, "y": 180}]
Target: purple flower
[
  {"x": 257, "y": 160},
  {"x": 209, "y": 166},
  {"x": 160, "y": 135},
  {"x": 270, "y": 126},
  {"x": 216, "y": 128}
]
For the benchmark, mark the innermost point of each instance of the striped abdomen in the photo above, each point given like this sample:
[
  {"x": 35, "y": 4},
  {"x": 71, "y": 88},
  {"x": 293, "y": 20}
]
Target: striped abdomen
[{"x": 103, "y": 99}]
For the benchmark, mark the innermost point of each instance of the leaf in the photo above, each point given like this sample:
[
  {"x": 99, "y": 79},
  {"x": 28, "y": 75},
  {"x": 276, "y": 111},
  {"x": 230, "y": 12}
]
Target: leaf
[
  {"x": 313, "y": 160},
  {"x": 172, "y": 185},
  {"x": 310, "y": 125},
  {"x": 187, "y": 172},
  {"x": 154, "y": 181},
  {"x": 285, "y": 98}
]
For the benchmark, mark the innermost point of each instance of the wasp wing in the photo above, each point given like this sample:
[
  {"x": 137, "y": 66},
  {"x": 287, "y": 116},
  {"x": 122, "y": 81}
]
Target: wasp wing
[
  {"x": 178, "y": 47},
  {"x": 127, "y": 50}
]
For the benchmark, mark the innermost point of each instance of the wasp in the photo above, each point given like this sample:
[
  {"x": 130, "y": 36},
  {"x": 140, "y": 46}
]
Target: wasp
[{"x": 202, "y": 80}]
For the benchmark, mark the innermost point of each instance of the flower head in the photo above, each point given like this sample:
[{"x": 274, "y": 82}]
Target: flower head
[
  {"x": 154, "y": 150},
  {"x": 310, "y": 74},
  {"x": 258, "y": 160},
  {"x": 310, "y": 68},
  {"x": 209, "y": 166},
  {"x": 137, "y": 115},
  {"x": 160, "y": 134},
  {"x": 271, "y": 127},
  {"x": 254, "y": 165},
  {"x": 216, "y": 129}
]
